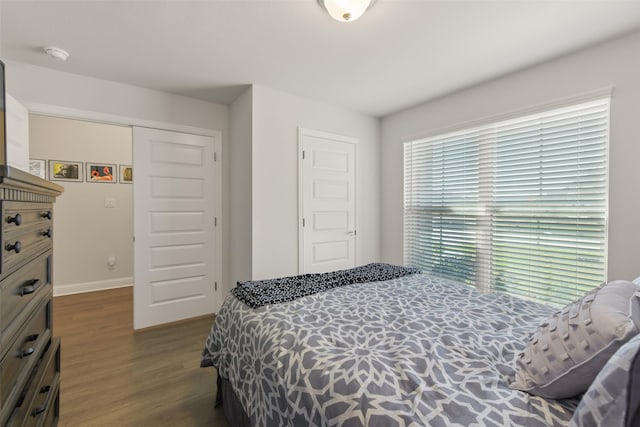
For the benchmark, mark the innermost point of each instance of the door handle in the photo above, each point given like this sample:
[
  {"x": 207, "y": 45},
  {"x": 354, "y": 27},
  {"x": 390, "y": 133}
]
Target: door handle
[{"x": 350, "y": 233}]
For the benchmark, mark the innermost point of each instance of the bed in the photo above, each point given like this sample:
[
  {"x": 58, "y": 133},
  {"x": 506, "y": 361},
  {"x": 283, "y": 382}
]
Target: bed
[{"x": 412, "y": 350}]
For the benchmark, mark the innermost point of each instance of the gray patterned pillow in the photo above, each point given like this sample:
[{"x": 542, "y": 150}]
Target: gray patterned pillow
[
  {"x": 608, "y": 401},
  {"x": 569, "y": 349}
]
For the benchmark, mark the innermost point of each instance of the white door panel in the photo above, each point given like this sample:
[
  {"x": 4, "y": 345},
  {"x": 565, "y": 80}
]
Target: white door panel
[
  {"x": 176, "y": 245},
  {"x": 330, "y": 220},
  {"x": 17, "y": 149},
  {"x": 332, "y": 251},
  {"x": 327, "y": 202}
]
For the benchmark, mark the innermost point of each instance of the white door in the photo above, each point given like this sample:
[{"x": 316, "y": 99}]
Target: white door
[
  {"x": 177, "y": 259},
  {"x": 327, "y": 186},
  {"x": 17, "y": 134}
]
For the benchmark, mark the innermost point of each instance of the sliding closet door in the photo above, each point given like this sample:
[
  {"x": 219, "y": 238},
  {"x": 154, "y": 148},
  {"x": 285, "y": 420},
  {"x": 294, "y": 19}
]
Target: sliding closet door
[{"x": 176, "y": 204}]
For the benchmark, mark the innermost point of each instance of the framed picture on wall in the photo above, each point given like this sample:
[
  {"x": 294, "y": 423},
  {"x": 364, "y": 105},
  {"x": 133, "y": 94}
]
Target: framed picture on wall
[
  {"x": 38, "y": 168},
  {"x": 62, "y": 170},
  {"x": 102, "y": 172},
  {"x": 126, "y": 174}
]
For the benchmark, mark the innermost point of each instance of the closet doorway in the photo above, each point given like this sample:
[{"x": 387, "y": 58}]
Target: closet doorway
[{"x": 94, "y": 219}]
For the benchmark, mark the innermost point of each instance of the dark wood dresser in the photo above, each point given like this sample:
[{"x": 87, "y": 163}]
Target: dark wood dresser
[{"x": 29, "y": 353}]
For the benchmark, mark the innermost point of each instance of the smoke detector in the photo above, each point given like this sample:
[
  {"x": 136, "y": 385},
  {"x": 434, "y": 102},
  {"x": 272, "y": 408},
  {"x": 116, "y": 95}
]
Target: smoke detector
[{"x": 56, "y": 53}]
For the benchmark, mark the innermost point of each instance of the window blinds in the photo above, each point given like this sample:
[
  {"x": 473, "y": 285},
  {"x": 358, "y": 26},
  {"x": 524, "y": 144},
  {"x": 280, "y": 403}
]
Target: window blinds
[{"x": 517, "y": 206}]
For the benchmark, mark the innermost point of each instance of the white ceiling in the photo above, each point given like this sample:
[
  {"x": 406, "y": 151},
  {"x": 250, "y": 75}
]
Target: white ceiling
[{"x": 400, "y": 53}]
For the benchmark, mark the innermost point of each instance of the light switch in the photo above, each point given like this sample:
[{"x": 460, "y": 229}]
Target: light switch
[{"x": 109, "y": 202}]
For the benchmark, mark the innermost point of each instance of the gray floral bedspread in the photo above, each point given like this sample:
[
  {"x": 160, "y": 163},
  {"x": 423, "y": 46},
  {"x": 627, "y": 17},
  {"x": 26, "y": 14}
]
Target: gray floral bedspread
[{"x": 412, "y": 351}]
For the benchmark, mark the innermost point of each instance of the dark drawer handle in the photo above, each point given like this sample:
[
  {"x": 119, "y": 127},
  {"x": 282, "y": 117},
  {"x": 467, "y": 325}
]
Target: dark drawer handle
[
  {"x": 17, "y": 247},
  {"x": 47, "y": 233},
  {"x": 27, "y": 352},
  {"x": 17, "y": 220},
  {"x": 39, "y": 410},
  {"x": 29, "y": 287},
  {"x": 48, "y": 214},
  {"x": 45, "y": 389},
  {"x": 30, "y": 350}
]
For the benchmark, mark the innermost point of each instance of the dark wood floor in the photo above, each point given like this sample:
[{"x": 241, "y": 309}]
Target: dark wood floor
[{"x": 112, "y": 376}]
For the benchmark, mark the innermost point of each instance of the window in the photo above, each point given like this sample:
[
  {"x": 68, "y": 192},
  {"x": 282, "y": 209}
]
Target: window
[{"x": 517, "y": 206}]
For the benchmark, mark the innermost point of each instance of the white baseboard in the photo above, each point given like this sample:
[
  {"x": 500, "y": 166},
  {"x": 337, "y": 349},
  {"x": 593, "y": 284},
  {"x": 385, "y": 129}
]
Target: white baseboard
[{"x": 101, "y": 285}]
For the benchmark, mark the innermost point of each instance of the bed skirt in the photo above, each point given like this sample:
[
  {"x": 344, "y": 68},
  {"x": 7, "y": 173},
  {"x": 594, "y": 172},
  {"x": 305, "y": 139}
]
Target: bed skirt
[{"x": 233, "y": 410}]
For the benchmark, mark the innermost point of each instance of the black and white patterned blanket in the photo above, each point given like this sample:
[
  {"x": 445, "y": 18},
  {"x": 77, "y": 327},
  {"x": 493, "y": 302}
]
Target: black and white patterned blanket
[
  {"x": 413, "y": 351},
  {"x": 273, "y": 291}
]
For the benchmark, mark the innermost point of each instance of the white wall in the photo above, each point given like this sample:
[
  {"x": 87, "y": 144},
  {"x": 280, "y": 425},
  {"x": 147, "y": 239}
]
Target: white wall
[
  {"x": 240, "y": 135},
  {"x": 33, "y": 85},
  {"x": 87, "y": 233},
  {"x": 276, "y": 118},
  {"x": 615, "y": 63}
]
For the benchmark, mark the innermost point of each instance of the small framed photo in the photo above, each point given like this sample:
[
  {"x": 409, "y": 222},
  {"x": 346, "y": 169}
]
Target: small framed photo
[
  {"x": 61, "y": 170},
  {"x": 102, "y": 172},
  {"x": 38, "y": 168},
  {"x": 126, "y": 174}
]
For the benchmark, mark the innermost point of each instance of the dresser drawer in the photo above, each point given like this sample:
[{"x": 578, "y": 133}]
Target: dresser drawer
[
  {"x": 20, "y": 292},
  {"x": 38, "y": 404},
  {"x": 24, "y": 353},
  {"x": 21, "y": 215},
  {"x": 27, "y": 229},
  {"x": 20, "y": 247},
  {"x": 53, "y": 412}
]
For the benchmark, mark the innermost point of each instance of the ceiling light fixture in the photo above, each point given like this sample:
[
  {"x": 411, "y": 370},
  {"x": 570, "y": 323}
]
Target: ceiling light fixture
[
  {"x": 56, "y": 53},
  {"x": 346, "y": 10}
]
